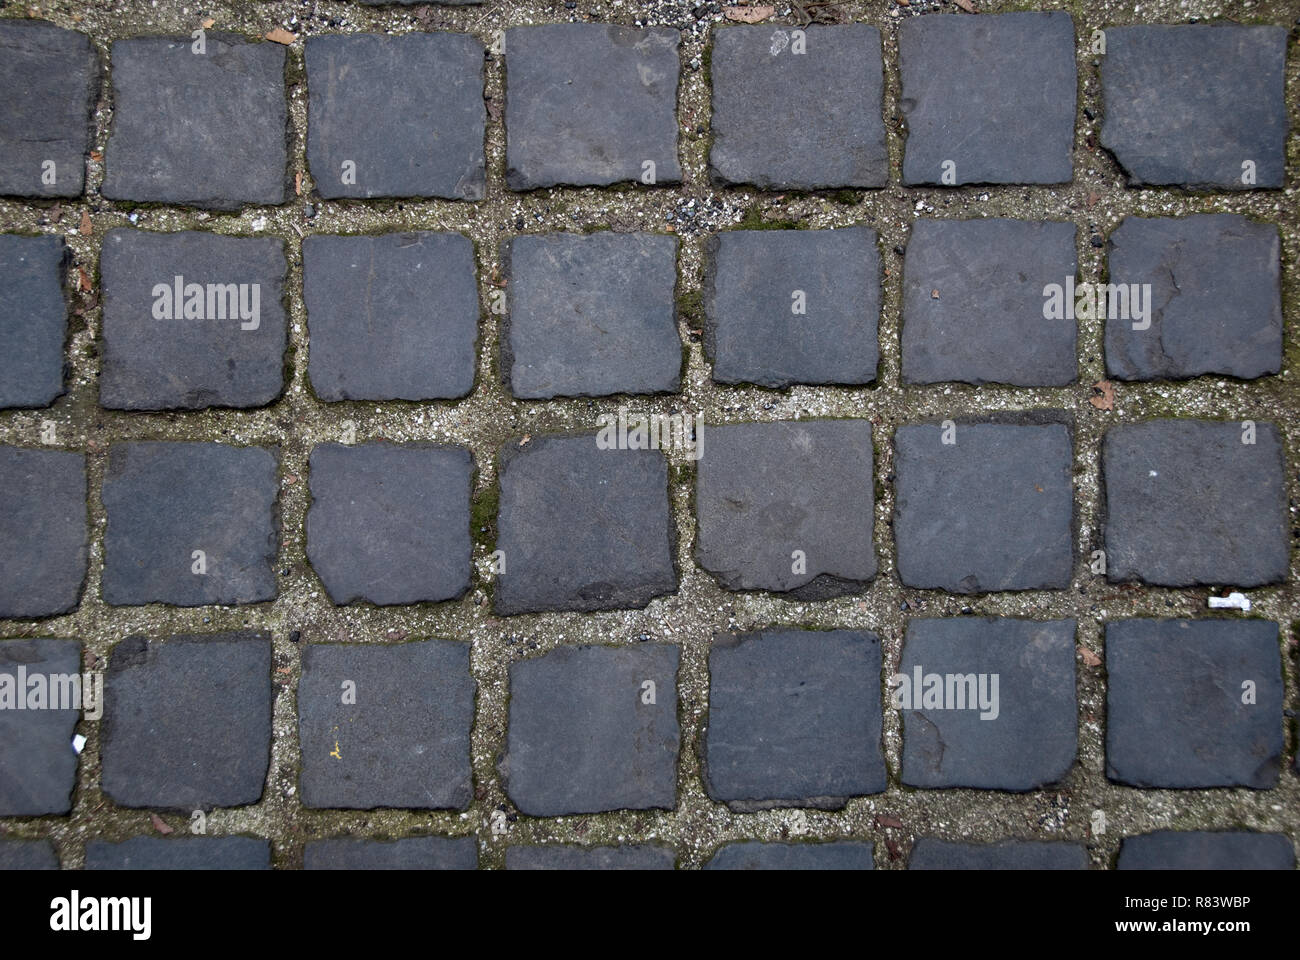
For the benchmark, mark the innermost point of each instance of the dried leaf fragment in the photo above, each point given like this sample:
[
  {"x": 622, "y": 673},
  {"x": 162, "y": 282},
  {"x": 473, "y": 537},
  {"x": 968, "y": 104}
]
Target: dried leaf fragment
[
  {"x": 160, "y": 825},
  {"x": 86, "y": 227},
  {"x": 1090, "y": 658},
  {"x": 1103, "y": 395},
  {"x": 281, "y": 35},
  {"x": 748, "y": 14}
]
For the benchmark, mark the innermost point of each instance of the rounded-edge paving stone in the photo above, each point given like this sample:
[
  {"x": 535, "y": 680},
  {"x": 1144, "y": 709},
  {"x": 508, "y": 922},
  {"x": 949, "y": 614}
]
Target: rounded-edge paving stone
[
  {"x": 44, "y": 536},
  {"x": 408, "y": 853},
  {"x": 180, "y": 853},
  {"x": 33, "y": 319},
  {"x": 572, "y": 856},
  {"x": 929, "y": 853},
  {"x": 811, "y": 855},
  {"x": 38, "y": 766},
  {"x": 1206, "y": 850}
]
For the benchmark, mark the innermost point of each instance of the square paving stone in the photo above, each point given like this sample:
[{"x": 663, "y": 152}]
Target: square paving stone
[
  {"x": 51, "y": 79},
  {"x": 987, "y": 703},
  {"x": 989, "y": 511},
  {"x": 794, "y": 719},
  {"x": 386, "y": 725},
  {"x": 593, "y": 729},
  {"x": 752, "y": 855},
  {"x": 1215, "y": 301},
  {"x": 389, "y": 523},
  {"x": 764, "y": 133},
  {"x": 43, "y": 532},
  {"x": 568, "y": 856},
  {"x": 787, "y": 507},
  {"x": 191, "y": 320},
  {"x": 396, "y": 116},
  {"x": 1190, "y": 104},
  {"x": 592, "y": 316},
  {"x": 28, "y": 855},
  {"x": 988, "y": 99},
  {"x": 33, "y": 318},
  {"x": 38, "y": 766},
  {"x": 1193, "y": 703},
  {"x": 411, "y": 853},
  {"x": 392, "y": 317},
  {"x": 187, "y": 721},
  {"x": 988, "y": 322},
  {"x": 198, "y": 129},
  {"x": 180, "y": 853},
  {"x": 1188, "y": 503},
  {"x": 582, "y": 528},
  {"x": 1197, "y": 850},
  {"x": 931, "y": 854},
  {"x": 590, "y": 104},
  {"x": 792, "y": 306},
  {"x": 167, "y": 502}
]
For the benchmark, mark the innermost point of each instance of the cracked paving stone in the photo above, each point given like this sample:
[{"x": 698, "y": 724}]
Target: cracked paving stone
[
  {"x": 203, "y": 130},
  {"x": 793, "y": 306},
  {"x": 987, "y": 703},
  {"x": 189, "y": 524},
  {"x": 191, "y": 320},
  {"x": 787, "y": 507},
  {"x": 786, "y": 119},
  {"x": 1215, "y": 302},
  {"x": 187, "y": 721},
  {"x": 591, "y": 316},
  {"x": 1189, "y": 502},
  {"x": 28, "y": 855},
  {"x": 396, "y": 116},
  {"x": 51, "y": 79},
  {"x": 794, "y": 719},
  {"x": 1198, "y": 850},
  {"x": 592, "y": 729},
  {"x": 386, "y": 726},
  {"x": 180, "y": 853},
  {"x": 569, "y": 856},
  {"x": 410, "y": 853},
  {"x": 43, "y": 532},
  {"x": 33, "y": 318},
  {"x": 752, "y": 855},
  {"x": 987, "y": 324},
  {"x": 582, "y": 528},
  {"x": 389, "y": 523},
  {"x": 931, "y": 854},
  {"x": 1193, "y": 703},
  {"x": 990, "y": 511},
  {"x": 393, "y": 317},
  {"x": 1193, "y": 105},
  {"x": 988, "y": 99},
  {"x": 590, "y": 104},
  {"x": 38, "y": 766}
]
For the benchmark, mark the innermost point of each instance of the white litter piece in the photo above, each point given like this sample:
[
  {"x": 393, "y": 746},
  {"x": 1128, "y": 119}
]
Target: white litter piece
[
  {"x": 1233, "y": 601},
  {"x": 78, "y": 742}
]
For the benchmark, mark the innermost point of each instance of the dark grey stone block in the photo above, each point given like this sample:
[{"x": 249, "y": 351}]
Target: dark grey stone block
[
  {"x": 568, "y": 856},
  {"x": 38, "y": 766},
  {"x": 988, "y": 322},
  {"x": 1176, "y": 703},
  {"x": 392, "y": 317},
  {"x": 406, "y": 112},
  {"x": 389, "y": 523},
  {"x": 187, "y": 721},
  {"x": 28, "y": 855},
  {"x": 202, "y": 130},
  {"x": 589, "y": 104},
  {"x": 1188, "y": 503},
  {"x": 165, "y": 501},
  {"x": 411, "y": 853},
  {"x": 180, "y": 853},
  {"x": 593, "y": 729},
  {"x": 794, "y": 719},
  {"x": 1188, "y": 104},
  {"x": 990, "y": 511},
  {"x": 793, "y": 306},
  {"x": 787, "y": 506},
  {"x": 993, "y": 94},
  {"x": 1197, "y": 850},
  {"x": 931, "y": 854},
  {"x": 839, "y": 855},
  {"x": 386, "y": 725},
  {"x": 51, "y": 79},
  {"x": 216, "y": 340},
  {"x": 1215, "y": 298},
  {"x": 994, "y": 708},
  {"x": 33, "y": 316},
  {"x": 592, "y": 316},
  {"x": 582, "y": 528},
  {"x": 42, "y": 531},
  {"x": 765, "y": 132}
]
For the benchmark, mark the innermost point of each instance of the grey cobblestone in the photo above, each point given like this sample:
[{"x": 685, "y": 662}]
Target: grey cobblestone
[
  {"x": 43, "y": 536},
  {"x": 180, "y": 853},
  {"x": 33, "y": 320},
  {"x": 411, "y": 853}
]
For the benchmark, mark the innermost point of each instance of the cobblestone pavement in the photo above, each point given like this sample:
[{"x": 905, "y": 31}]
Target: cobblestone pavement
[{"x": 607, "y": 435}]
